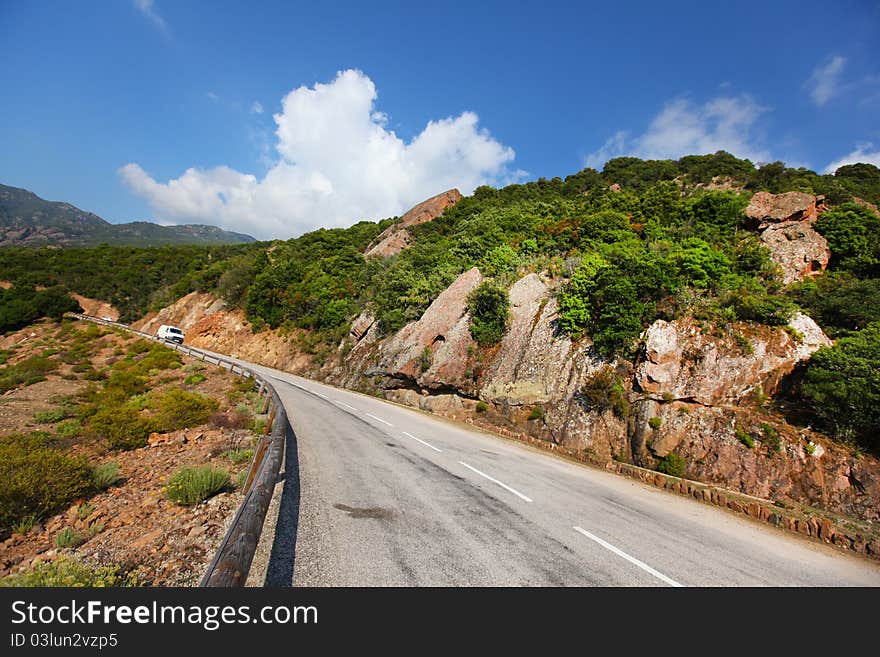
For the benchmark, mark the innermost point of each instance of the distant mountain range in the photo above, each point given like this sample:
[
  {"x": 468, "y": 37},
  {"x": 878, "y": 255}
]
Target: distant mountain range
[{"x": 28, "y": 220}]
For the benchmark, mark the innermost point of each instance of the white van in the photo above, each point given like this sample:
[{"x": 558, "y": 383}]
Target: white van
[{"x": 170, "y": 334}]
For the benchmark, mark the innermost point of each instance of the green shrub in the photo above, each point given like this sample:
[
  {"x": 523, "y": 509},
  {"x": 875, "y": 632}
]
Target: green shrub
[
  {"x": 241, "y": 478},
  {"x": 605, "y": 391},
  {"x": 179, "y": 409},
  {"x": 106, "y": 475},
  {"x": 38, "y": 480},
  {"x": 851, "y": 231},
  {"x": 426, "y": 359},
  {"x": 194, "y": 379},
  {"x": 655, "y": 423},
  {"x": 24, "y": 525},
  {"x": 842, "y": 385},
  {"x": 537, "y": 413},
  {"x": 482, "y": 407},
  {"x": 745, "y": 438},
  {"x": 488, "y": 306},
  {"x": 69, "y": 428},
  {"x": 123, "y": 427},
  {"x": 69, "y": 538},
  {"x": 29, "y": 371},
  {"x": 51, "y": 416},
  {"x": 191, "y": 485},
  {"x": 771, "y": 439},
  {"x": 672, "y": 464},
  {"x": 239, "y": 455},
  {"x": 67, "y": 572}
]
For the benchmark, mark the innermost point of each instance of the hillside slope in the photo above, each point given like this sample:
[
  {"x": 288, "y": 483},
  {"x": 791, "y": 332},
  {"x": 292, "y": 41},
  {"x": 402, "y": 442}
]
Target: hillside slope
[{"x": 28, "y": 220}]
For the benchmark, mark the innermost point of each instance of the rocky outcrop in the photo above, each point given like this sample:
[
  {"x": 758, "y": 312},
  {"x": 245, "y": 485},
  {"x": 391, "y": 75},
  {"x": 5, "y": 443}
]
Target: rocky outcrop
[
  {"x": 229, "y": 332},
  {"x": 680, "y": 361},
  {"x": 183, "y": 313},
  {"x": 396, "y": 238},
  {"x": 785, "y": 222},
  {"x": 766, "y": 208},
  {"x": 433, "y": 351},
  {"x": 797, "y": 248},
  {"x": 96, "y": 308}
]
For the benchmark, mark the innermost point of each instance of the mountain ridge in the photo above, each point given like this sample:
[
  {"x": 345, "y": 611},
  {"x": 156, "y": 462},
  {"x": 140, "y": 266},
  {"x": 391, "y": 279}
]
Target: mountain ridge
[{"x": 29, "y": 220}]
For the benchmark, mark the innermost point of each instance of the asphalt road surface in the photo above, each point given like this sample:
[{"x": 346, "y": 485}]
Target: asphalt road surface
[{"x": 376, "y": 494}]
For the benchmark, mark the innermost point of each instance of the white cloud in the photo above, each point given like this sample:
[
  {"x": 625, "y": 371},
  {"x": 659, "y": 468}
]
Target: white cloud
[
  {"x": 256, "y": 107},
  {"x": 337, "y": 163},
  {"x": 682, "y": 128},
  {"x": 862, "y": 153},
  {"x": 825, "y": 81},
  {"x": 214, "y": 98},
  {"x": 147, "y": 9}
]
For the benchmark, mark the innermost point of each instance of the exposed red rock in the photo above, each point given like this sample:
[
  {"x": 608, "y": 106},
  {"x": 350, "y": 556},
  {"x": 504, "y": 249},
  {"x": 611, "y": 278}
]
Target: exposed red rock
[
  {"x": 785, "y": 222},
  {"x": 96, "y": 308},
  {"x": 394, "y": 239},
  {"x": 767, "y": 208}
]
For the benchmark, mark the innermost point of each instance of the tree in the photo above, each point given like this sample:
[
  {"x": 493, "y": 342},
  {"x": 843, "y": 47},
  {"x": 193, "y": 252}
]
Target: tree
[
  {"x": 488, "y": 306},
  {"x": 842, "y": 383}
]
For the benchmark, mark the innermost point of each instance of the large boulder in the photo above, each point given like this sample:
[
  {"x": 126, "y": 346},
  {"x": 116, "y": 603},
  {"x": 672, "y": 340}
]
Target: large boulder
[
  {"x": 766, "y": 208},
  {"x": 680, "y": 361},
  {"x": 785, "y": 222},
  {"x": 433, "y": 351},
  {"x": 396, "y": 238},
  {"x": 797, "y": 248}
]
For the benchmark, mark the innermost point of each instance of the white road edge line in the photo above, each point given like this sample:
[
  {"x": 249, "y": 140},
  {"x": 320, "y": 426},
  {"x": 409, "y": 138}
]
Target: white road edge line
[
  {"x": 379, "y": 419},
  {"x": 422, "y": 441},
  {"x": 632, "y": 560},
  {"x": 342, "y": 403},
  {"x": 315, "y": 392},
  {"x": 495, "y": 481}
]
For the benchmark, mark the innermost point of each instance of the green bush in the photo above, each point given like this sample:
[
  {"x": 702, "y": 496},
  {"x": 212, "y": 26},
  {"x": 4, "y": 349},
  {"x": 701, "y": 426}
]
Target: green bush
[
  {"x": 24, "y": 525},
  {"x": 69, "y": 428},
  {"x": 51, "y": 416},
  {"x": 851, "y": 231},
  {"x": 745, "y": 438},
  {"x": 29, "y": 371},
  {"x": 194, "y": 379},
  {"x": 191, "y": 485},
  {"x": 488, "y": 306},
  {"x": 482, "y": 407},
  {"x": 537, "y": 413},
  {"x": 179, "y": 409},
  {"x": 69, "y": 538},
  {"x": 239, "y": 455},
  {"x": 842, "y": 385},
  {"x": 771, "y": 439},
  {"x": 68, "y": 572},
  {"x": 672, "y": 464},
  {"x": 426, "y": 359},
  {"x": 655, "y": 423},
  {"x": 106, "y": 475},
  {"x": 604, "y": 391},
  {"x": 37, "y": 479},
  {"x": 122, "y": 426}
]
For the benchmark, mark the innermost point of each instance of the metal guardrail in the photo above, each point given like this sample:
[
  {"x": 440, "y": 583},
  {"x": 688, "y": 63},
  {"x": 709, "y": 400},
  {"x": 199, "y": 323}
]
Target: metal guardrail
[{"x": 232, "y": 561}]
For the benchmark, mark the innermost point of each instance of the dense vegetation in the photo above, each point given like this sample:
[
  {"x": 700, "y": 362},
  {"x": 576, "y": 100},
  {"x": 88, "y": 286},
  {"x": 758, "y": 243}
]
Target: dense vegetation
[
  {"x": 133, "y": 280},
  {"x": 639, "y": 241},
  {"x": 123, "y": 401}
]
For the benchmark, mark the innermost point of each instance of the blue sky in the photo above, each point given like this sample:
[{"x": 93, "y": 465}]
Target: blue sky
[{"x": 276, "y": 117}]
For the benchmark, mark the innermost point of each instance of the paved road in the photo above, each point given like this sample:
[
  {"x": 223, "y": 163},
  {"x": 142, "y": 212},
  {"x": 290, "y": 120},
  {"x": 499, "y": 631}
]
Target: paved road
[{"x": 389, "y": 496}]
